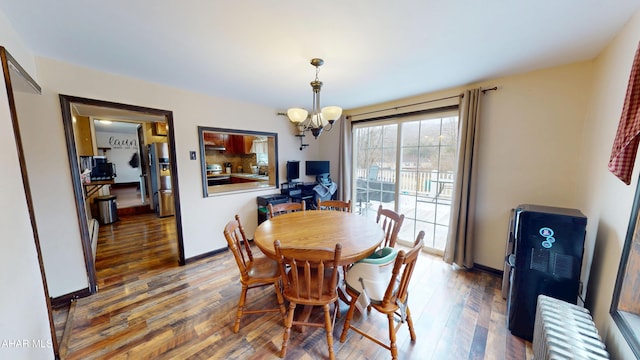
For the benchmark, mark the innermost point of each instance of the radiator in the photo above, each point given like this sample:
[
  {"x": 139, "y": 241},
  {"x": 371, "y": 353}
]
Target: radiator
[{"x": 565, "y": 331}]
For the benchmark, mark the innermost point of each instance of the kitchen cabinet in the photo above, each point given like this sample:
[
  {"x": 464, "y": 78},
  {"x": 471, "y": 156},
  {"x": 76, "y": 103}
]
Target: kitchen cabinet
[
  {"x": 237, "y": 180},
  {"x": 248, "y": 144},
  {"x": 214, "y": 139},
  {"x": 239, "y": 144},
  {"x": 82, "y": 131}
]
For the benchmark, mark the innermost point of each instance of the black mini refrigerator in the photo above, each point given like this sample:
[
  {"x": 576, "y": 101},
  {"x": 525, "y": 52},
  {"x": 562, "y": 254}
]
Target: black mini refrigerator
[{"x": 546, "y": 258}]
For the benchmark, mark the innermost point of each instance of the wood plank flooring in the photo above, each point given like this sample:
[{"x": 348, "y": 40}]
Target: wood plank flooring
[{"x": 150, "y": 308}]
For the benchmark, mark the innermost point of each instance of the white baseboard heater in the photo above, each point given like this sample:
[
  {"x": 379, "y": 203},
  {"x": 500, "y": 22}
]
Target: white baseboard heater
[{"x": 565, "y": 331}]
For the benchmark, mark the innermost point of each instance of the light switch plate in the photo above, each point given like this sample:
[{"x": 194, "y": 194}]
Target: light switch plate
[{"x": 192, "y": 155}]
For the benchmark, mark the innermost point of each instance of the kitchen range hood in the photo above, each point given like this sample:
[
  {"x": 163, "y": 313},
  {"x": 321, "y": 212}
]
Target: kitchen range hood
[{"x": 215, "y": 147}]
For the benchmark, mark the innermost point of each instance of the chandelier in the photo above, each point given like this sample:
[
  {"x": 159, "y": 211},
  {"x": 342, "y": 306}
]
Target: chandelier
[{"x": 320, "y": 118}]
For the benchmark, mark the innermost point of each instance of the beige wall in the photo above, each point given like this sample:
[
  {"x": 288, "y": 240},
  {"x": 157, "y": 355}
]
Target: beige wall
[
  {"x": 607, "y": 200},
  {"x": 23, "y": 310},
  {"x": 202, "y": 219},
  {"x": 546, "y": 137},
  {"x": 530, "y": 139}
]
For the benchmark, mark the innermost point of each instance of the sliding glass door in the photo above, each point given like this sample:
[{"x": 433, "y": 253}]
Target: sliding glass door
[
  {"x": 408, "y": 165},
  {"x": 376, "y": 152}
]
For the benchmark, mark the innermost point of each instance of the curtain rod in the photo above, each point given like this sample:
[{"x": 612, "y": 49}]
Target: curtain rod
[{"x": 420, "y": 103}]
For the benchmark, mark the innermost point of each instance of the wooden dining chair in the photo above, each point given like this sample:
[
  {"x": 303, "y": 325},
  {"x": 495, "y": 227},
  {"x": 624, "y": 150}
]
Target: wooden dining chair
[
  {"x": 394, "y": 303},
  {"x": 255, "y": 272},
  {"x": 309, "y": 278},
  {"x": 337, "y": 205},
  {"x": 391, "y": 223},
  {"x": 284, "y": 208}
]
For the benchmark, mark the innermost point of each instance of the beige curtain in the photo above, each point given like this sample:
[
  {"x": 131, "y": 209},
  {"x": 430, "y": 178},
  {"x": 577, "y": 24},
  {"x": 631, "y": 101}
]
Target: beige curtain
[
  {"x": 459, "y": 248},
  {"x": 345, "y": 166}
]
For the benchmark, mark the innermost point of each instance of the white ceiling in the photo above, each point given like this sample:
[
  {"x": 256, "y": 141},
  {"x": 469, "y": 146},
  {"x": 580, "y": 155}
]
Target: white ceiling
[{"x": 374, "y": 50}]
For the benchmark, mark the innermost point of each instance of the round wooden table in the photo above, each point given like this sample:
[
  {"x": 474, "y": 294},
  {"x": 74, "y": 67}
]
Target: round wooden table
[{"x": 310, "y": 229}]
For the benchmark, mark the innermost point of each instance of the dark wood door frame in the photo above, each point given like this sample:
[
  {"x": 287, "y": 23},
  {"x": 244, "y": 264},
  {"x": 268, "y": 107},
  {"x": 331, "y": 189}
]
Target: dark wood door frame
[
  {"x": 22, "y": 80},
  {"x": 66, "y": 102}
]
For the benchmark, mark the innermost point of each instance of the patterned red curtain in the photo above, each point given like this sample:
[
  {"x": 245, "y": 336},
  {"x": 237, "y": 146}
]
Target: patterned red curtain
[{"x": 625, "y": 145}]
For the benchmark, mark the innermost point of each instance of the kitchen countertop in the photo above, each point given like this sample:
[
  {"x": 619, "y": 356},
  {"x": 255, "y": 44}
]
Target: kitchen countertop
[
  {"x": 242, "y": 175},
  {"x": 237, "y": 188}
]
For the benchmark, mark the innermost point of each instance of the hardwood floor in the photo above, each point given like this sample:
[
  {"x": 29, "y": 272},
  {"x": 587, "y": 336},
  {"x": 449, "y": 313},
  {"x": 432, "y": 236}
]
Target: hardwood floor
[{"x": 150, "y": 308}]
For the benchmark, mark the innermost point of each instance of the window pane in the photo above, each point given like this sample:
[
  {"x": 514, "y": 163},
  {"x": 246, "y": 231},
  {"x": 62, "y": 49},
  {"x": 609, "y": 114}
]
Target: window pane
[
  {"x": 426, "y": 160},
  {"x": 449, "y": 132}
]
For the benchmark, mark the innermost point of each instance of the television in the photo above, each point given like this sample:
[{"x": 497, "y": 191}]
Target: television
[
  {"x": 316, "y": 167},
  {"x": 293, "y": 170}
]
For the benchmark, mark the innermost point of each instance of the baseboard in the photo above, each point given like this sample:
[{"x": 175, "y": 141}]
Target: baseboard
[
  {"x": 135, "y": 210},
  {"x": 65, "y": 300},
  {"x": 488, "y": 269},
  {"x": 204, "y": 256},
  {"x": 125, "y": 184}
]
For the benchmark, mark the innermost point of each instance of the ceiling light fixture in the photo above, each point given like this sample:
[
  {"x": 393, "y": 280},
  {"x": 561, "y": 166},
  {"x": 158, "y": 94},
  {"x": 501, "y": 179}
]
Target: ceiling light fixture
[{"x": 320, "y": 118}]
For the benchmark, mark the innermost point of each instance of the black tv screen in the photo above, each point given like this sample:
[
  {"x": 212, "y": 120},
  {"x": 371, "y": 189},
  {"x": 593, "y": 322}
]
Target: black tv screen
[
  {"x": 293, "y": 170},
  {"x": 316, "y": 167}
]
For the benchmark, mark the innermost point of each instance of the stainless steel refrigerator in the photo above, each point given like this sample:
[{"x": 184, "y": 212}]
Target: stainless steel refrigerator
[{"x": 161, "y": 191}]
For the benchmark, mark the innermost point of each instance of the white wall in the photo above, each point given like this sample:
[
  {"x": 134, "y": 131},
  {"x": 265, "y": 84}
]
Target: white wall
[
  {"x": 202, "y": 218},
  {"x": 16, "y": 47},
  {"x": 24, "y": 325},
  {"x": 53, "y": 199},
  {"x": 122, "y": 146},
  {"x": 607, "y": 200},
  {"x": 546, "y": 137}
]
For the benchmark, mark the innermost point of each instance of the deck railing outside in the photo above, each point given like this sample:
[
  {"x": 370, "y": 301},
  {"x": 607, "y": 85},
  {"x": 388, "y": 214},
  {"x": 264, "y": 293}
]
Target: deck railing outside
[{"x": 431, "y": 183}]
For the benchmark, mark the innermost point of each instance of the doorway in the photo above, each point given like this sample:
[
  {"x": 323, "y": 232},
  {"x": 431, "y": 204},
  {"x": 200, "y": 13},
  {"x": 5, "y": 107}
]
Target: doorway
[
  {"x": 80, "y": 142},
  {"x": 122, "y": 143},
  {"x": 407, "y": 164}
]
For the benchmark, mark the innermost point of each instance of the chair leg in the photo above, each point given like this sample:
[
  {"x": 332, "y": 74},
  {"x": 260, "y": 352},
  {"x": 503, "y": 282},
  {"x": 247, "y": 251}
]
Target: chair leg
[
  {"x": 329, "y": 329},
  {"x": 392, "y": 337},
  {"x": 283, "y": 311},
  {"x": 347, "y": 321},
  {"x": 287, "y": 330},
  {"x": 412, "y": 332},
  {"x": 243, "y": 298}
]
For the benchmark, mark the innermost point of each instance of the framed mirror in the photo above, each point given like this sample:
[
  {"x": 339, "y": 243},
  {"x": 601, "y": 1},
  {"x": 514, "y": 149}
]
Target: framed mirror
[
  {"x": 237, "y": 160},
  {"x": 625, "y": 305}
]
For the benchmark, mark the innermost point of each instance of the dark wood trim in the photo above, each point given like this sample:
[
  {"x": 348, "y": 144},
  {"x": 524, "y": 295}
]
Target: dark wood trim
[
  {"x": 627, "y": 331},
  {"x": 81, "y": 213},
  {"x": 487, "y": 269},
  {"x": 7, "y": 59},
  {"x": 25, "y": 75},
  {"x": 116, "y": 185},
  {"x": 203, "y": 156},
  {"x": 205, "y": 255},
  {"x": 133, "y": 210},
  {"x": 65, "y": 300},
  {"x": 176, "y": 188},
  {"x": 66, "y": 101}
]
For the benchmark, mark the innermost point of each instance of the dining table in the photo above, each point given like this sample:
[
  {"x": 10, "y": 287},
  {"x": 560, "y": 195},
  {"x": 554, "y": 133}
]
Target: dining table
[{"x": 321, "y": 229}]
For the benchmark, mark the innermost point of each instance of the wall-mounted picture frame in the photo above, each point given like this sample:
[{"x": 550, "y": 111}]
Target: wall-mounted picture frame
[{"x": 159, "y": 129}]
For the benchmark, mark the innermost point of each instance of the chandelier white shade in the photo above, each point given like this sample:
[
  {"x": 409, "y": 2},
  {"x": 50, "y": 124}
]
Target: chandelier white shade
[
  {"x": 320, "y": 118},
  {"x": 297, "y": 115}
]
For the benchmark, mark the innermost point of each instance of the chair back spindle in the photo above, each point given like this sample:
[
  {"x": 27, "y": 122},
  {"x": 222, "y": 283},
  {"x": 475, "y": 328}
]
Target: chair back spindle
[
  {"x": 394, "y": 304},
  {"x": 337, "y": 205},
  {"x": 284, "y": 208},
  {"x": 310, "y": 278},
  {"x": 255, "y": 272},
  {"x": 391, "y": 223}
]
